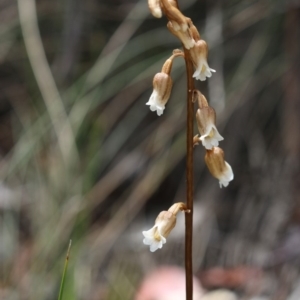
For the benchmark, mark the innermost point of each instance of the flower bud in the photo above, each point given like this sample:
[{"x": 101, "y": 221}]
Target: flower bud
[
  {"x": 179, "y": 21},
  {"x": 199, "y": 57},
  {"x": 206, "y": 121},
  {"x": 218, "y": 167},
  {"x": 184, "y": 36},
  {"x": 162, "y": 86},
  {"x": 155, "y": 8},
  {"x": 198, "y": 96}
]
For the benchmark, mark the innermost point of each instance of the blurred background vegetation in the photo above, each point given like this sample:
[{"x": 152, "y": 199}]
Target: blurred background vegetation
[{"x": 83, "y": 158}]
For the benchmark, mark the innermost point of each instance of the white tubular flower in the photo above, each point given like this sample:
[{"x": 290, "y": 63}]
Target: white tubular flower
[
  {"x": 206, "y": 121},
  {"x": 164, "y": 223},
  {"x": 199, "y": 56},
  {"x": 184, "y": 36},
  {"x": 156, "y": 236},
  {"x": 218, "y": 167},
  {"x": 162, "y": 86}
]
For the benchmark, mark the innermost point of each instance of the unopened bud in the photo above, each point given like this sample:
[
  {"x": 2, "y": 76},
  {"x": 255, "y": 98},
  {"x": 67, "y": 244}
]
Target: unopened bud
[
  {"x": 199, "y": 57},
  {"x": 218, "y": 167},
  {"x": 155, "y": 8},
  {"x": 179, "y": 21},
  {"x": 184, "y": 36},
  {"x": 200, "y": 98}
]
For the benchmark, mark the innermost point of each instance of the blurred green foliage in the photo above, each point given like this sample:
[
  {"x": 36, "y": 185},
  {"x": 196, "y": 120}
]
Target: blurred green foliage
[{"x": 82, "y": 156}]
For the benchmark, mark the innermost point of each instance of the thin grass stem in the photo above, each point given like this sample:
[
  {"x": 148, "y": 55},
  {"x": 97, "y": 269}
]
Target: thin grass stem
[{"x": 62, "y": 283}]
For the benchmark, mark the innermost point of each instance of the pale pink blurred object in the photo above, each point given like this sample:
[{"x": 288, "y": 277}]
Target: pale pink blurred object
[{"x": 166, "y": 283}]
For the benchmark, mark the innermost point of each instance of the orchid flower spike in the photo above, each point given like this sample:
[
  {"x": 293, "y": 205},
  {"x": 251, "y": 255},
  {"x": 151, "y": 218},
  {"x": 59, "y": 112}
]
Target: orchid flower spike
[
  {"x": 199, "y": 57},
  {"x": 218, "y": 167},
  {"x": 164, "y": 223},
  {"x": 162, "y": 86}
]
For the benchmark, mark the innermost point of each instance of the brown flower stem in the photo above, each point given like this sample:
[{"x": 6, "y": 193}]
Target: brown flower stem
[
  {"x": 189, "y": 170},
  {"x": 189, "y": 178}
]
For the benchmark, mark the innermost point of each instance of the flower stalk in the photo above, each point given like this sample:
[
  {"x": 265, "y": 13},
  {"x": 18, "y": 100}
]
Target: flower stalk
[
  {"x": 189, "y": 178},
  {"x": 195, "y": 55}
]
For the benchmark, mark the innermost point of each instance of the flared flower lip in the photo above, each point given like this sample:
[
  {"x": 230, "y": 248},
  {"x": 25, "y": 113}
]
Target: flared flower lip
[
  {"x": 154, "y": 103},
  {"x": 201, "y": 74},
  {"x": 209, "y": 141},
  {"x": 152, "y": 240}
]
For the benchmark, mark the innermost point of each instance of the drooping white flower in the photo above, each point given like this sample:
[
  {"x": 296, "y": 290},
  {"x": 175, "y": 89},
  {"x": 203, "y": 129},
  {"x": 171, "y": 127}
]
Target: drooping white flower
[
  {"x": 199, "y": 57},
  {"x": 164, "y": 223},
  {"x": 218, "y": 167},
  {"x": 156, "y": 236},
  {"x": 206, "y": 121},
  {"x": 162, "y": 86}
]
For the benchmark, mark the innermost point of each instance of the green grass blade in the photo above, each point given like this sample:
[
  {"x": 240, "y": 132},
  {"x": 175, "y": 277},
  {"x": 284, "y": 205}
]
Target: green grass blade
[{"x": 62, "y": 283}]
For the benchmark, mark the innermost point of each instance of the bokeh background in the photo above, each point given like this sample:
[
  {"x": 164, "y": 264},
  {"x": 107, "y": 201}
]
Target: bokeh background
[{"x": 83, "y": 158}]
